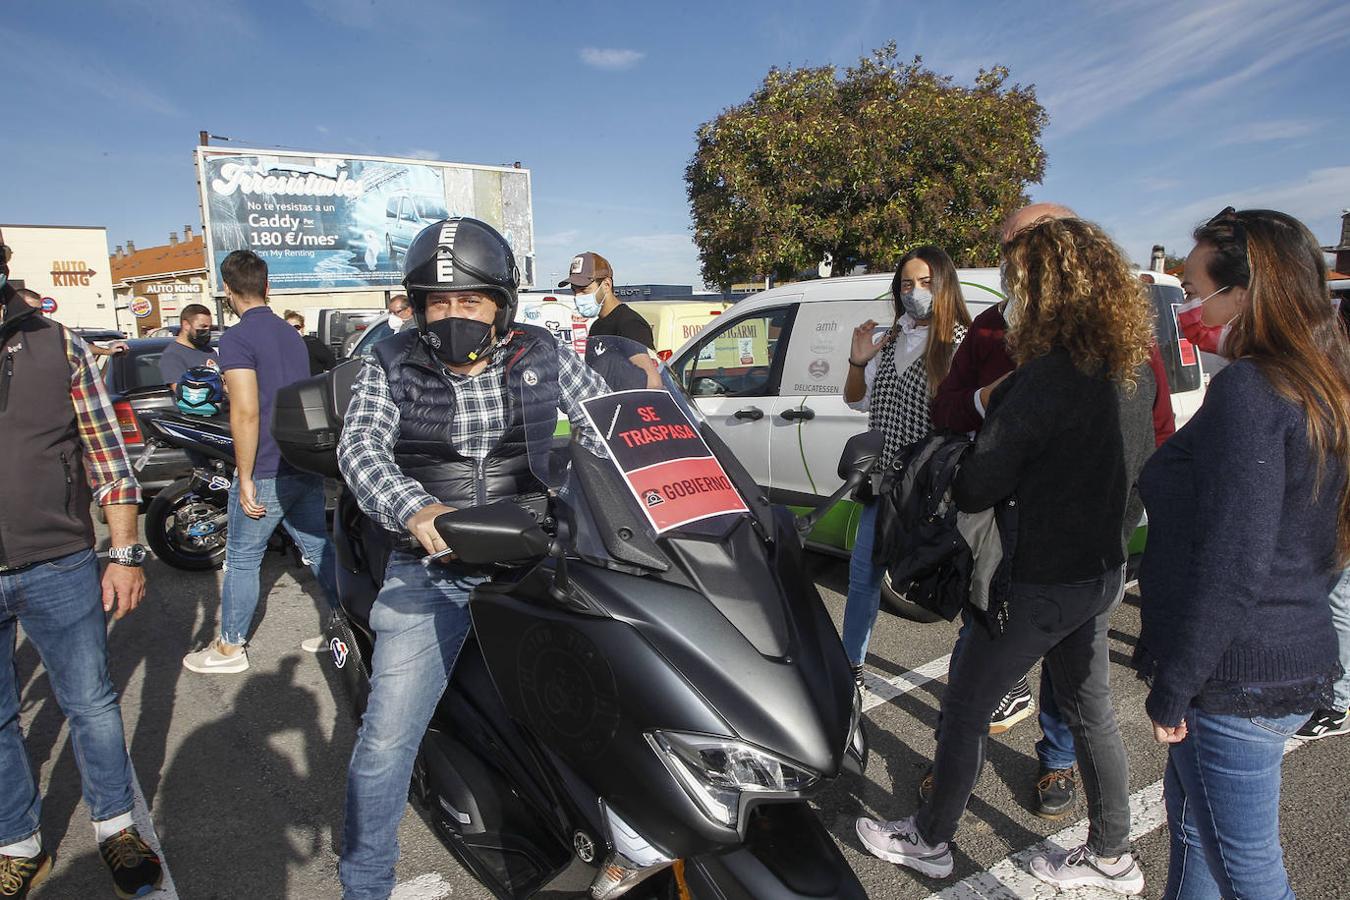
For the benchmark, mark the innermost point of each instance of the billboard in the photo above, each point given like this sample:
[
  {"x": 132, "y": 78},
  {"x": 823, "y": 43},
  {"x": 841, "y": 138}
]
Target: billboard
[{"x": 325, "y": 222}]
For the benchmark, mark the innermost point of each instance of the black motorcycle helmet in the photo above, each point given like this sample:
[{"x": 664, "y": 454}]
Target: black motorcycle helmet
[{"x": 461, "y": 254}]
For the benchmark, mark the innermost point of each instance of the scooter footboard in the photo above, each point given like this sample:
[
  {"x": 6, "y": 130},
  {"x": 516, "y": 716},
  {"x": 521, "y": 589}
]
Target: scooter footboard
[
  {"x": 788, "y": 855},
  {"x": 347, "y": 653}
]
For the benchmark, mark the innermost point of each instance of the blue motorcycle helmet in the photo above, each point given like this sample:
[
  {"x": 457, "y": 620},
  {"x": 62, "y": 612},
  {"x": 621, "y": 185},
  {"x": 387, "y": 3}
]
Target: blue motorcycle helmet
[{"x": 201, "y": 392}]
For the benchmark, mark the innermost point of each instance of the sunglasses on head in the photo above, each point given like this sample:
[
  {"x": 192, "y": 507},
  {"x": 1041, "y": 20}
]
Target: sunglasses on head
[{"x": 1231, "y": 219}]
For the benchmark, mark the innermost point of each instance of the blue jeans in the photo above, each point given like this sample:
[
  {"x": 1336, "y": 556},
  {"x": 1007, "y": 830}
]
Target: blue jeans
[
  {"x": 864, "y": 588},
  {"x": 59, "y": 605},
  {"x": 295, "y": 500},
  {"x": 420, "y": 620},
  {"x": 1340, "y": 617},
  {"x": 1055, "y": 748},
  {"x": 1222, "y": 790}
]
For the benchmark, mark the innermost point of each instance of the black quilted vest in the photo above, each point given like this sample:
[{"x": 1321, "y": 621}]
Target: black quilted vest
[{"x": 424, "y": 392}]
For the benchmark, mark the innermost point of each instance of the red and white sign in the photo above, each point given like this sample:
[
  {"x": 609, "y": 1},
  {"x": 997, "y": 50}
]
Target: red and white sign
[
  {"x": 663, "y": 459},
  {"x": 49, "y": 305}
]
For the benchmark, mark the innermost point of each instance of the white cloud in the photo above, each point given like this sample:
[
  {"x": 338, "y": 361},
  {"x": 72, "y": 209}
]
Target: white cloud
[
  {"x": 421, "y": 153},
  {"x": 610, "y": 58},
  {"x": 1314, "y": 199},
  {"x": 662, "y": 258},
  {"x": 1270, "y": 131},
  {"x": 1105, "y": 63},
  {"x": 1153, "y": 183}
]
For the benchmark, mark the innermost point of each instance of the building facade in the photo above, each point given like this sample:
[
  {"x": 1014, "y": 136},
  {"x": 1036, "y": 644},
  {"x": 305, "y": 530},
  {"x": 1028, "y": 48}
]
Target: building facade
[{"x": 67, "y": 265}]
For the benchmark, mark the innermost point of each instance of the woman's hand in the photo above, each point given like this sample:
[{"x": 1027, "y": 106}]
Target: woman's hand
[
  {"x": 1169, "y": 734},
  {"x": 864, "y": 347}
]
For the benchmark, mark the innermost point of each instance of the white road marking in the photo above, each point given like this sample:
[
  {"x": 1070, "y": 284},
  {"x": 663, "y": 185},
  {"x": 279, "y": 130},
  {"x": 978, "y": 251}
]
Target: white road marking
[
  {"x": 140, "y": 813},
  {"x": 878, "y": 690},
  {"x": 1009, "y": 879},
  {"x": 423, "y": 887}
]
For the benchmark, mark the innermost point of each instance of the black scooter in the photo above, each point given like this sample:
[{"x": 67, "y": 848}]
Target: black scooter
[{"x": 638, "y": 711}]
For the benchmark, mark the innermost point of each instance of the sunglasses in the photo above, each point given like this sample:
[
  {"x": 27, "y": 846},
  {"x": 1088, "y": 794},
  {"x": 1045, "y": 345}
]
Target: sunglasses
[
  {"x": 298, "y": 327},
  {"x": 1230, "y": 219}
]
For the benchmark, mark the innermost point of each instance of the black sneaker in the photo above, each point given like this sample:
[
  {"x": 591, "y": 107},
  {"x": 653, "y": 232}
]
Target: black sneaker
[
  {"x": 136, "y": 870},
  {"x": 858, "y": 675},
  {"x": 1324, "y": 723},
  {"x": 20, "y": 874},
  {"x": 1055, "y": 793},
  {"x": 1015, "y": 706}
]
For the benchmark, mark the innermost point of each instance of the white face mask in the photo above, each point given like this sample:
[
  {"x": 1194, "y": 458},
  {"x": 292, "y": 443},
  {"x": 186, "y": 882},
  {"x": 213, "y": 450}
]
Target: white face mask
[
  {"x": 1011, "y": 309},
  {"x": 918, "y": 302},
  {"x": 588, "y": 305},
  {"x": 395, "y": 321}
]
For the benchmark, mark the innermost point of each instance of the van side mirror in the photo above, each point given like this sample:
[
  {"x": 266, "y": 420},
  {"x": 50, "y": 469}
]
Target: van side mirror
[
  {"x": 861, "y": 453},
  {"x": 501, "y": 532}
]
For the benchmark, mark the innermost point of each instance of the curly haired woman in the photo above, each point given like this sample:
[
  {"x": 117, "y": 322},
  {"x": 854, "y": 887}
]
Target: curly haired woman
[{"x": 1064, "y": 438}]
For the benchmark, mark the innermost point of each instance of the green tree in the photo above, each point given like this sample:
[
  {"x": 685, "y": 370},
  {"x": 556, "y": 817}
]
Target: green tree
[{"x": 863, "y": 167}]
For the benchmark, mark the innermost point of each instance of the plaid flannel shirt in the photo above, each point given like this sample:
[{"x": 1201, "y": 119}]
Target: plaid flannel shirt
[
  {"x": 371, "y": 428},
  {"x": 106, "y": 464}
]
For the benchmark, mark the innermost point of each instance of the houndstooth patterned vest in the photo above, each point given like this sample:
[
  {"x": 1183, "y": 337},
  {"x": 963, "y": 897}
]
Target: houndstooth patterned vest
[{"x": 899, "y": 402}]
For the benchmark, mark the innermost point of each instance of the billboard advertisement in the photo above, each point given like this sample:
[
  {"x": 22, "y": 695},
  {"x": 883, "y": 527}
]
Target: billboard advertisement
[{"x": 325, "y": 222}]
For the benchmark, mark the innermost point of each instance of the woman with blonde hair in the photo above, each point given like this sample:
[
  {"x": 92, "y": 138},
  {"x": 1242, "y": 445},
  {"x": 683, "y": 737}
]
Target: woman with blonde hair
[
  {"x": 893, "y": 379},
  {"x": 1064, "y": 438},
  {"x": 1249, "y": 527}
]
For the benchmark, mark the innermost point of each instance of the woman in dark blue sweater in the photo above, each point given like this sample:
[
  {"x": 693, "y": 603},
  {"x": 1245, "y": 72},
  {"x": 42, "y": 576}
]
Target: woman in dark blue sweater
[{"x": 1249, "y": 524}]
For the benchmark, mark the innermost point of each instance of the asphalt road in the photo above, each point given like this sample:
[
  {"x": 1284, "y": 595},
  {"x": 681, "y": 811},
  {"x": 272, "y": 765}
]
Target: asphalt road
[{"x": 243, "y": 775}]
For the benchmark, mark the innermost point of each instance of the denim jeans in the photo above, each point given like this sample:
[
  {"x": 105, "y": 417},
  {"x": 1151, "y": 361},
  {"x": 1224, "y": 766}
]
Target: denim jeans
[
  {"x": 1340, "y": 617},
  {"x": 1222, "y": 790},
  {"x": 420, "y": 620},
  {"x": 292, "y": 499},
  {"x": 1067, "y": 625},
  {"x": 1055, "y": 748},
  {"x": 864, "y": 588},
  {"x": 59, "y": 605}
]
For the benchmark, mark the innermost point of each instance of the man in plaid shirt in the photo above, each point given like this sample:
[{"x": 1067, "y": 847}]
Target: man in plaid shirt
[
  {"x": 62, "y": 440},
  {"x": 441, "y": 417}
]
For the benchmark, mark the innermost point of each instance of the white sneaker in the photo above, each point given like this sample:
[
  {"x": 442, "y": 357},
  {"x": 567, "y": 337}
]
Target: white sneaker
[
  {"x": 899, "y": 842},
  {"x": 1081, "y": 867},
  {"x": 314, "y": 644},
  {"x": 209, "y": 660}
]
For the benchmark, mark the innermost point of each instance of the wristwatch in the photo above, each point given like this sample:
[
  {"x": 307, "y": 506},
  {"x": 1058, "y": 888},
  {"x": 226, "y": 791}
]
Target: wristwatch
[{"x": 132, "y": 555}]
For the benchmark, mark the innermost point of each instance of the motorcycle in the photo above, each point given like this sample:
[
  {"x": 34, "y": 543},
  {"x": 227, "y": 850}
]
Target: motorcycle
[
  {"x": 652, "y": 688},
  {"x": 185, "y": 523}
]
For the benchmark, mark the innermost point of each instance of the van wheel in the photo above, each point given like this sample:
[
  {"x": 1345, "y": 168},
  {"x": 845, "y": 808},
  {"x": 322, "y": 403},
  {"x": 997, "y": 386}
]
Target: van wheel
[{"x": 903, "y": 608}]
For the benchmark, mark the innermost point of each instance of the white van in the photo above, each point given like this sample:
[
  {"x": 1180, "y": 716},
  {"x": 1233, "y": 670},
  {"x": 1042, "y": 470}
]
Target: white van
[{"x": 769, "y": 375}]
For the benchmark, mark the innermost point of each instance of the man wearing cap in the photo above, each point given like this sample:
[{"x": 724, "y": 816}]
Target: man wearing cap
[{"x": 591, "y": 279}]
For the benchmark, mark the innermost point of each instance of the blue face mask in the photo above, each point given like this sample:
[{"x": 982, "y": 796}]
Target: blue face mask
[{"x": 588, "y": 304}]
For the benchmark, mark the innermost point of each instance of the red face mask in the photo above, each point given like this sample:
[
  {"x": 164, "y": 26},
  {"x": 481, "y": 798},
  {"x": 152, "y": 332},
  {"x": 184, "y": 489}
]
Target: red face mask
[{"x": 1209, "y": 338}]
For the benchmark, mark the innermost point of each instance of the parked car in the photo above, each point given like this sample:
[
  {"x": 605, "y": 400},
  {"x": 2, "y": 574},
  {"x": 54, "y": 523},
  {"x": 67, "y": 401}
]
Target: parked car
[
  {"x": 406, "y": 214},
  {"x": 135, "y": 385},
  {"x": 769, "y": 374},
  {"x": 675, "y": 321}
]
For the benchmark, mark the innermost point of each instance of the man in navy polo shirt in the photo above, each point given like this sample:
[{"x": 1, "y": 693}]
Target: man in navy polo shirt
[{"x": 258, "y": 357}]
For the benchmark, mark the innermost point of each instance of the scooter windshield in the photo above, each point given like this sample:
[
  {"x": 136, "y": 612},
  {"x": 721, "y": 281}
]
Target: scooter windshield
[{"x": 628, "y": 458}]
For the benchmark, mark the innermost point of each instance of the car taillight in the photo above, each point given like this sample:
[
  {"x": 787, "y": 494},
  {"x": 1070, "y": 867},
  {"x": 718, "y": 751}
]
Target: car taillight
[
  {"x": 126, "y": 420},
  {"x": 664, "y": 355}
]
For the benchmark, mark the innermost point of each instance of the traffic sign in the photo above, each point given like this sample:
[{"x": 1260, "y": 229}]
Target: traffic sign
[{"x": 48, "y": 305}]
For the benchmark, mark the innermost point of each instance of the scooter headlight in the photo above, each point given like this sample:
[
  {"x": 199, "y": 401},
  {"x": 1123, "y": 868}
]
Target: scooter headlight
[{"x": 715, "y": 771}]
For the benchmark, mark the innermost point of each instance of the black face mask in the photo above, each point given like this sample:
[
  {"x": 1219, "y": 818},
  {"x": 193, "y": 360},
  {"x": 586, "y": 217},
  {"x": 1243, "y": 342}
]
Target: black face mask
[
  {"x": 201, "y": 338},
  {"x": 457, "y": 341}
]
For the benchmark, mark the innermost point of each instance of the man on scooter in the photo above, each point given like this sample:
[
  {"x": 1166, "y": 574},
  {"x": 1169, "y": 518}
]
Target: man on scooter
[{"x": 435, "y": 424}]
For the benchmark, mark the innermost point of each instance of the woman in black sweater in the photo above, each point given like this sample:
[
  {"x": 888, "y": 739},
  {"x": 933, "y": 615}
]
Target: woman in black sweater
[
  {"x": 1063, "y": 441},
  {"x": 1249, "y": 527}
]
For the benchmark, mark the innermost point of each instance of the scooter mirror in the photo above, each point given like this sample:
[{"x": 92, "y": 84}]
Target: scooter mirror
[
  {"x": 861, "y": 453},
  {"x": 500, "y": 532}
]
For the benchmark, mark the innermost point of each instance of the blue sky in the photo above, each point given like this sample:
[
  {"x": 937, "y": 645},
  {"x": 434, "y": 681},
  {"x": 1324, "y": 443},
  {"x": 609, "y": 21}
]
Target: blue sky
[{"x": 1160, "y": 113}]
